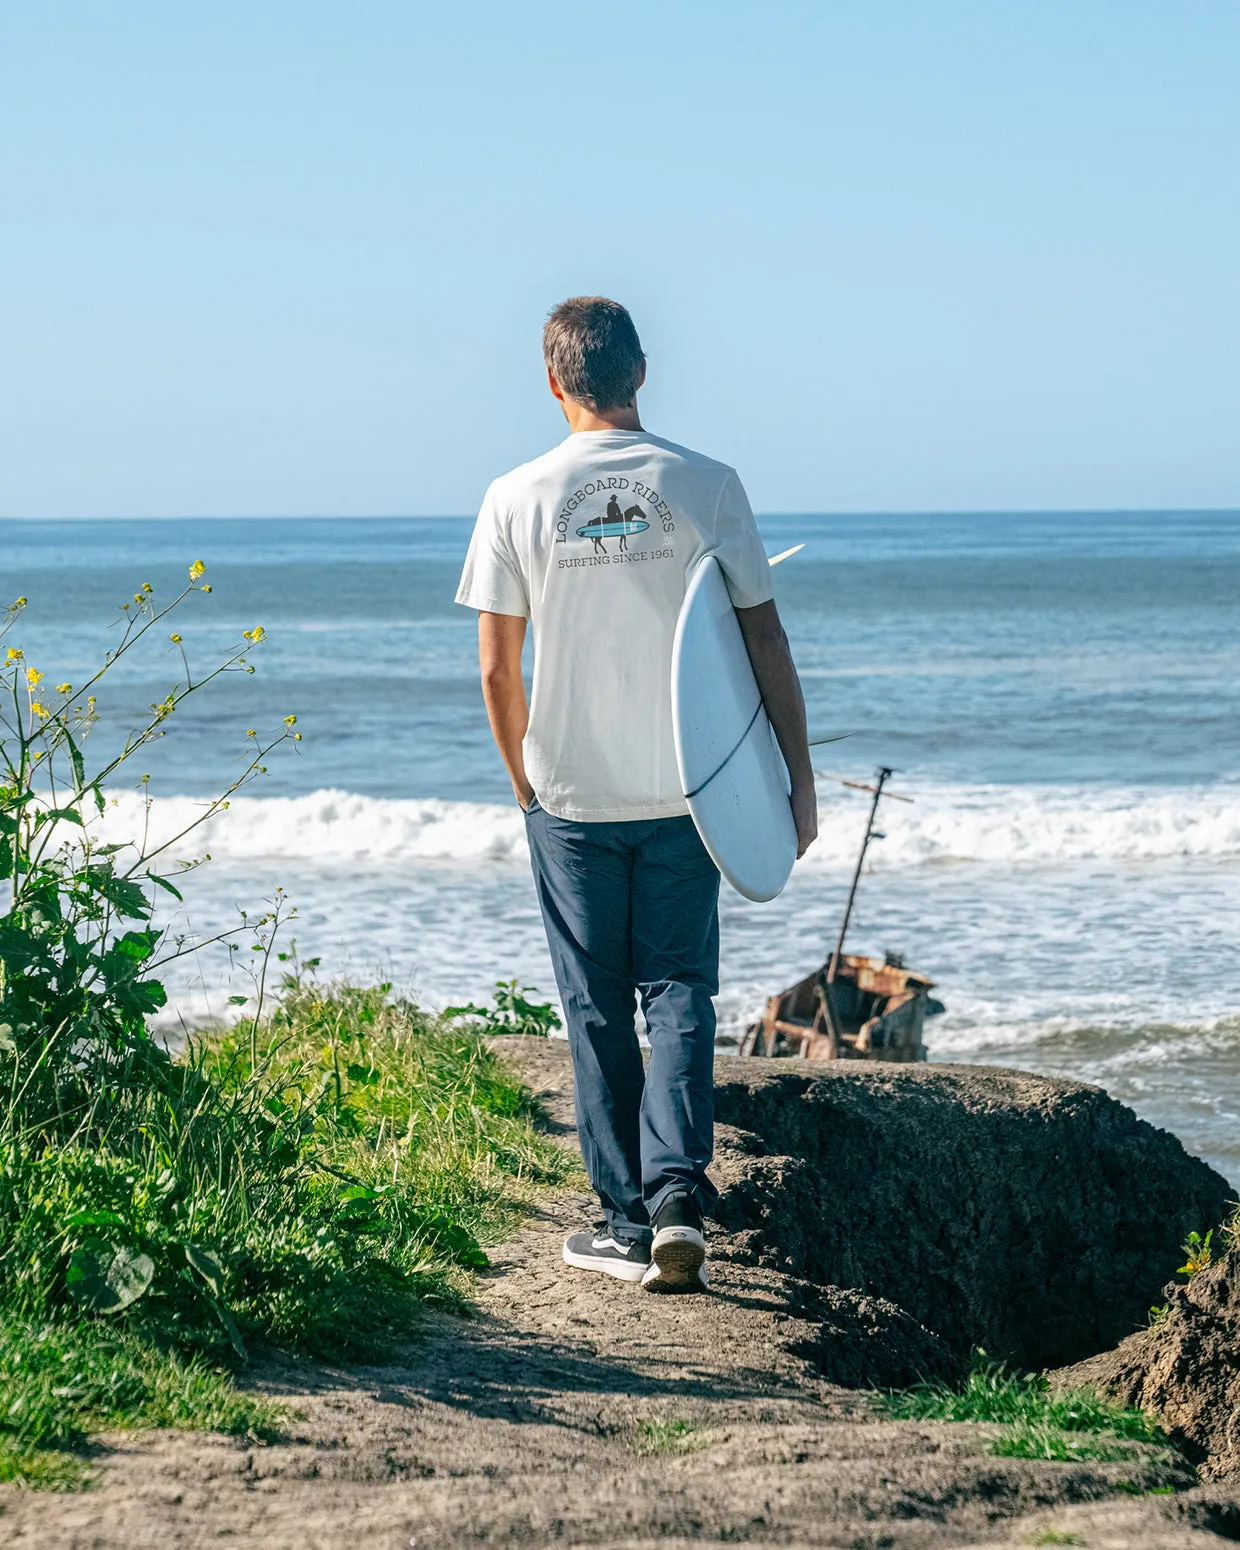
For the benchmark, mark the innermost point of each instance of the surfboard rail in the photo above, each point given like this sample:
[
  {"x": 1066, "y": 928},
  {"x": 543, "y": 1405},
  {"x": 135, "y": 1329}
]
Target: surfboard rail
[{"x": 731, "y": 771}]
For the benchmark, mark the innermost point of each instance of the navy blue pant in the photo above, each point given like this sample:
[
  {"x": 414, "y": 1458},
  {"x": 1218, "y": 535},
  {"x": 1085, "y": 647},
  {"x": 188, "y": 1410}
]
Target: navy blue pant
[{"x": 631, "y": 910}]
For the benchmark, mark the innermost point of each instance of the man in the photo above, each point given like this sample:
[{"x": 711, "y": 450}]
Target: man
[{"x": 627, "y": 890}]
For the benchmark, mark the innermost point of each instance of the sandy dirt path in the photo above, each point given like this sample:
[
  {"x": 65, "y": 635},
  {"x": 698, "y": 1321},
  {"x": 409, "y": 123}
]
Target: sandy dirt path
[{"x": 529, "y": 1424}]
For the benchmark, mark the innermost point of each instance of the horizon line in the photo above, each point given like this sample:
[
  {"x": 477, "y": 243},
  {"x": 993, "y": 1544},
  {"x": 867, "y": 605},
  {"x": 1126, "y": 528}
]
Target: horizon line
[{"x": 448, "y": 516}]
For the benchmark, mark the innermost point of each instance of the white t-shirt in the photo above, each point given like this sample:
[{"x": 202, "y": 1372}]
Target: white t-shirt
[{"x": 593, "y": 543}]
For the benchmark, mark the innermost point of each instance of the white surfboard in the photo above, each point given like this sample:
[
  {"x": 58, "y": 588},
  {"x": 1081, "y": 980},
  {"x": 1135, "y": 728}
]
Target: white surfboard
[{"x": 731, "y": 770}]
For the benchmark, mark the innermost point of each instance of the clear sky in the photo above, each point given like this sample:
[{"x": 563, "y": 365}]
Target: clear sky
[{"x": 261, "y": 257}]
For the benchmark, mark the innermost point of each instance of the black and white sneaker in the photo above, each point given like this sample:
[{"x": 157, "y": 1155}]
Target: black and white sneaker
[
  {"x": 600, "y": 1251},
  {"x": 678, "y": 1253}
]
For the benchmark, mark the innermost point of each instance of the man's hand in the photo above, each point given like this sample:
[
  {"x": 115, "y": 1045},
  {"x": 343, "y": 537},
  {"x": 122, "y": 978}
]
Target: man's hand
[
  {"x": 804, "y": 801},
  {"x": 524, "y": 795}
]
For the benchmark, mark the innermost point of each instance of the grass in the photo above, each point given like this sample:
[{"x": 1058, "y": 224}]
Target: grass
[
  {"x": 658, "y": 1436},
  {"x": 1054, "y": 1536},
  {"x": 64, "y": 1380},
  {"x": 311, "y": 1181},
  {"x": 1038, "y": 1423}
]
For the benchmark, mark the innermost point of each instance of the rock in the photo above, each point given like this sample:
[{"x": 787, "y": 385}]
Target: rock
[
  {"x": 1033, "y": 1217},
  {"x": 1185, "y": 1370}
]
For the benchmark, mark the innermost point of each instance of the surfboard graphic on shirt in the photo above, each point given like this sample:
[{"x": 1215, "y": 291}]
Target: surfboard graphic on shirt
[{"x": 614, "y": 523}]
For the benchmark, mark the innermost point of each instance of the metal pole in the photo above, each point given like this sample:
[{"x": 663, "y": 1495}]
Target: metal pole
[{"x": 883, "y": 774}]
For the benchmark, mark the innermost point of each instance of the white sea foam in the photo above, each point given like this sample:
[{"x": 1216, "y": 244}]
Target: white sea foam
[
  {"x": 996, "y": 825},
  {"x": 328, "y": 828}
]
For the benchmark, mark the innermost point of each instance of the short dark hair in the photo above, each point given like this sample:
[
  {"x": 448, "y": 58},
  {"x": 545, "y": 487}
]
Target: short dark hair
[{"x": 593, "y": 350}]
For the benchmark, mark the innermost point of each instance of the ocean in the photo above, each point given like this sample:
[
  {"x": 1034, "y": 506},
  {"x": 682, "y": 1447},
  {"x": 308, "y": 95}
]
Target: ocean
[{"x": 1059, "y": 694}]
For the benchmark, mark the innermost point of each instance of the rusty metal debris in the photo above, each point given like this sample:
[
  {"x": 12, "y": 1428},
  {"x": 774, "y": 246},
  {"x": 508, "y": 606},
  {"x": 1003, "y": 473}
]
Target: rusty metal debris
[{"x": 853, "y": 1007}]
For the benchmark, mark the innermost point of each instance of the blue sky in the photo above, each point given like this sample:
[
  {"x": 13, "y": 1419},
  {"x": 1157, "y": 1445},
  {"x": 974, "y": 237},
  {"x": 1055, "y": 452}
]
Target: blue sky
[{"x": 270, "y": 258}]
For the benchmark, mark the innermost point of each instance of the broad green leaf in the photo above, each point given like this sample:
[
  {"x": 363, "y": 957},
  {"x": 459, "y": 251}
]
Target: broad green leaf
[
  {"x": 207, "y": 1265},
  {"x": 450, "y": 1238},
  {"x": 95, "y": 1219},
  {"x": 59, "y": 814},
  {"x": 106, "y": 1279},
  {"x": 142, "y": 996},
  {"x": 126, "y": 897},
  {"x": 138, "y": 945},
  {"x": 231, "y": 1330}
]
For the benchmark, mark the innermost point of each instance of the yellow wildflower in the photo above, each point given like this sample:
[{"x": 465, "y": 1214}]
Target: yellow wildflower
[
  {"x": 137, "y": 597},
  {"x": 64, "y": 688},
  {"x": 147, "y": 588},
  {"x": 206, "y": 589},
  {"x": 15, "y": 654},
  {"x": 40, "y": 710},
  {"x": 290, "y": 721},
  {"x": 251, "y": 733},
  {"x": 196, "y": 570},
  {"x": 34, "y": 677},
  {"x": 297, "y": 737},
  {"x": 175, "y": 639},
  {"x": 20, "y": 602}
]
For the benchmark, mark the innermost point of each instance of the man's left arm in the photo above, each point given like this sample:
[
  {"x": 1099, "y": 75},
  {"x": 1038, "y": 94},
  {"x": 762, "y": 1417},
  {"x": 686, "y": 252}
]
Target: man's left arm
[{"x": 773, "y": 667}]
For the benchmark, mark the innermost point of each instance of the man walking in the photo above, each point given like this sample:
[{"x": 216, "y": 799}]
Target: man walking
[{"x": 627, "y": 891}]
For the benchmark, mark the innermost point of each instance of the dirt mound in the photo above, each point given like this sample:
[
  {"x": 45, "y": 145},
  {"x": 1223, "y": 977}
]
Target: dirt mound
[
  {"x": 1185, "y": 1369},
  {"x": 864, "y": 1342},
  {"x": 1034, "y": 1217}
]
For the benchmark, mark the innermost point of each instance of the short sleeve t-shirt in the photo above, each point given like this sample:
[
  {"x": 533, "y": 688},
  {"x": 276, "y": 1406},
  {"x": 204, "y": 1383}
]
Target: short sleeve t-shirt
[{"x": 594, "y": 543}]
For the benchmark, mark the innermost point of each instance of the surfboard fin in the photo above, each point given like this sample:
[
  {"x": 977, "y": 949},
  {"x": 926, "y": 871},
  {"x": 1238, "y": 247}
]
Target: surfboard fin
[{"x": 776, "y": 559}]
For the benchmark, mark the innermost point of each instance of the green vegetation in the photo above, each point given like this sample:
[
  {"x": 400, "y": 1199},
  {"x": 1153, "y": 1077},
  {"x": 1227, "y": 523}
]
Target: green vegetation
[
  {"x": 62, "y": 1379},
  {"x": 312, "y": 1199},
  {"x": 512, "y": 1012},
  {"x": 1198, "y": 1254},
  {"x": 1038, "y": 1422},
  {"x": 1054, "y": 1536},
  {"x": 308, "y": 1178},
  {"x": 667, "y": 1437}
]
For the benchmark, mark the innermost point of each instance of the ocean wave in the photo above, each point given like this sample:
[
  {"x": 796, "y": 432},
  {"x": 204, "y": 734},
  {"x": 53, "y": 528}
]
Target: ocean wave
[
  {"x": 994, "y": 825},
  {"x": 1031, "y": 825},
  {"x": 326, "y": 828}
]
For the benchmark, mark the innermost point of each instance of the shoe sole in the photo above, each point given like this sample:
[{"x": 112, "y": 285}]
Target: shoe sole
[
  {"x": 677, "y": 1262},
  {"x": 608, "y": 1267}
]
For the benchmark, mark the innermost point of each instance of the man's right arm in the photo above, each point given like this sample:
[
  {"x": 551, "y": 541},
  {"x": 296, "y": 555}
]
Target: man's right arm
[{"x": 500, "y": 641}]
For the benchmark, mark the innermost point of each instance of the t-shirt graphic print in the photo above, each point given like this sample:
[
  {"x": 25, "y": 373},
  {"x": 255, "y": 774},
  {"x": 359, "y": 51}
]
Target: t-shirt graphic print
[{"x": 594, "y": 543}]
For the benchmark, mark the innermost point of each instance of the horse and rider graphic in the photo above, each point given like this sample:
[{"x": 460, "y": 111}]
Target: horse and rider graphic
[{"x": 615, "y": 524}]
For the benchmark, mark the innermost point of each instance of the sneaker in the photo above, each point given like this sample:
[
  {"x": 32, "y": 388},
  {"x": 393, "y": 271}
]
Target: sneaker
[
  {"x": 600, "y": 1251},
  {"x": 678, "y": 1253}
]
